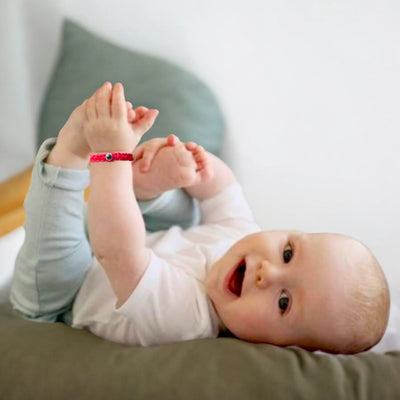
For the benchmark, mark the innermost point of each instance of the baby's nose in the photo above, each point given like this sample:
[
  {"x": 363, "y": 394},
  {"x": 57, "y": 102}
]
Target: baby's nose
[{"x": 266, "y": 274}]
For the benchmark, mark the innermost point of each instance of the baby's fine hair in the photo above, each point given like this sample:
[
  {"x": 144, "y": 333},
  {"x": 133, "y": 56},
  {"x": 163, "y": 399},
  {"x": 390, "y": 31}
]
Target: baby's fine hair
[{"x": 368, "y": 306}]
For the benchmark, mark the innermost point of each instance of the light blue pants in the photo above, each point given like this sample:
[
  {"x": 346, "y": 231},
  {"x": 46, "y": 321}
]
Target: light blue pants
[{"x": 56, "y": 253}]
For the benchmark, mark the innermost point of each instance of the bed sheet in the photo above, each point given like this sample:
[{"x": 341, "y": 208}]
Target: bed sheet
[{"x": 11, "y": 243}]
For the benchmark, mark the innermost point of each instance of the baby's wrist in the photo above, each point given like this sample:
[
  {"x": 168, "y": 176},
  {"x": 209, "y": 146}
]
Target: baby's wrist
[
  {"x": 61, "y": 157},
  {"x": 143, "y": 186},
  {"x": 143, "y": 195},
  {"x": 98, "y": 146}
]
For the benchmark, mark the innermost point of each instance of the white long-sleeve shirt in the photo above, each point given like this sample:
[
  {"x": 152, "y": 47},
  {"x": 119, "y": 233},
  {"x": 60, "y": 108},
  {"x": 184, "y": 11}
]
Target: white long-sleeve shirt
[{"x": 170, "y": 303}]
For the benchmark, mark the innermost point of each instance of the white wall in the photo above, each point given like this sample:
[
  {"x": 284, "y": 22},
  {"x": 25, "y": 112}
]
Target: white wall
[
  {"x": 310, "y": 90},
  {"x": 29, "y": 32}
]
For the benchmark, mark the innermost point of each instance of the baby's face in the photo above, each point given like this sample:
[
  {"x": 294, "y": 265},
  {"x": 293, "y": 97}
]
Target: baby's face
[{"x": 284, "y": 288}]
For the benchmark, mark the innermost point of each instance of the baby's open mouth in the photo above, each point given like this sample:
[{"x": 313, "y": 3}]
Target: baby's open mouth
[{"x": 236, "y": 280}]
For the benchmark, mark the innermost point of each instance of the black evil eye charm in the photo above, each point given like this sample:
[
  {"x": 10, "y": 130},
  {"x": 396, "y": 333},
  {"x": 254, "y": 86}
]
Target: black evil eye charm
[{"x": 109, "y": 157}]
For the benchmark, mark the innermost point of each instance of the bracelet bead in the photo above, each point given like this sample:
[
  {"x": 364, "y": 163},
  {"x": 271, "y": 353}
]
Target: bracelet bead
[{"x": 110, "y": 157}]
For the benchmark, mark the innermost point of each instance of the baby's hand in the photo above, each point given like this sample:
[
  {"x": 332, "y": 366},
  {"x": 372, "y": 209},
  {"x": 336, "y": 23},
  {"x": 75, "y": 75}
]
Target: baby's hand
[
  {"x": 174, "y": 166},
  {"x": 109, "y": 126},
  {"x": 145, "y": 152},
  {"x": 72, "y": 150},
  {"x": 71, "y": 140}
]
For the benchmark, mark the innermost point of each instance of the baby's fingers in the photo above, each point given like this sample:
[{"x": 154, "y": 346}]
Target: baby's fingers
[
  {"x": 143, "y": 124},
  {"x": 118, "y": 103},
  {"x": 90, "y": 108},
  {"x": 102, "y": 96},
  {"x": 147, "y": 151},
  {"x": 140, "y": 112},
  {"x": 131, "y": 116},
  {"x": 147, "y": 159},
  {"x": 172, "y": 140}
]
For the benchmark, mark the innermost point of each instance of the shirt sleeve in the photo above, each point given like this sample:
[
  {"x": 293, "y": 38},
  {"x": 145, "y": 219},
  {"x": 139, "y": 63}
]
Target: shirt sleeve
[
  {"x": 169, "y": 306},
  {"x": 174, "y": 207},
  {"x": 226, "y": 206}
]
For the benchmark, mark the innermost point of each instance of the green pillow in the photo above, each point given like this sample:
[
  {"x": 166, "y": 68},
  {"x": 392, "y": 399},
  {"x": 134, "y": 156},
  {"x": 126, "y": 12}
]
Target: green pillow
[
  {"x": 53, "y": 361},
  {"x": 187, "y": 106}
]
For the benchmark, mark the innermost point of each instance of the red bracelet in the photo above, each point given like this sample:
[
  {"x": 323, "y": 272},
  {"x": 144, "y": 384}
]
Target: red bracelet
[{"x": 110, "y": 157}]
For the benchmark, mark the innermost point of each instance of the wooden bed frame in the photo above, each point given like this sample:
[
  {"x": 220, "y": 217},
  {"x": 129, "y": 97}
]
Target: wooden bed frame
[{"x": 12, "y": 195}]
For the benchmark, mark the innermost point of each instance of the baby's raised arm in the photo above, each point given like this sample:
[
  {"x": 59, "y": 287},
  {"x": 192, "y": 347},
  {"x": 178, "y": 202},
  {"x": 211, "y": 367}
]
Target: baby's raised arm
[{"x": 116, "y": 226}]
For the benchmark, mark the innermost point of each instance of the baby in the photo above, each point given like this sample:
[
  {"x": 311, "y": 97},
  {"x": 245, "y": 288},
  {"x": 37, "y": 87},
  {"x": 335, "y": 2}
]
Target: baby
[{"x": 317, "y": 291}]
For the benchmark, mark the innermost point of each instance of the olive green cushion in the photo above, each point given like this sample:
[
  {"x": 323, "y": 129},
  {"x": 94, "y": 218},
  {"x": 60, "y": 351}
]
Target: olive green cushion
[
  {"x": 53, "y": 361},
  {"x": 187, "y": 106}
]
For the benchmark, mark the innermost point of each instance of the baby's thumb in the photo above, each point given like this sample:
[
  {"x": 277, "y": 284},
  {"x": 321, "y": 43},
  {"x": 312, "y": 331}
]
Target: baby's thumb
[
  {"x": 146, "y": 122},
  {"x": 147, "y": 160}
]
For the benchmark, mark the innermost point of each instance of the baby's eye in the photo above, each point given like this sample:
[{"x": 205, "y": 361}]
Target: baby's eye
[
  {"x": 283, "y": 302},
  {"x": 287, "y": 253}
]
